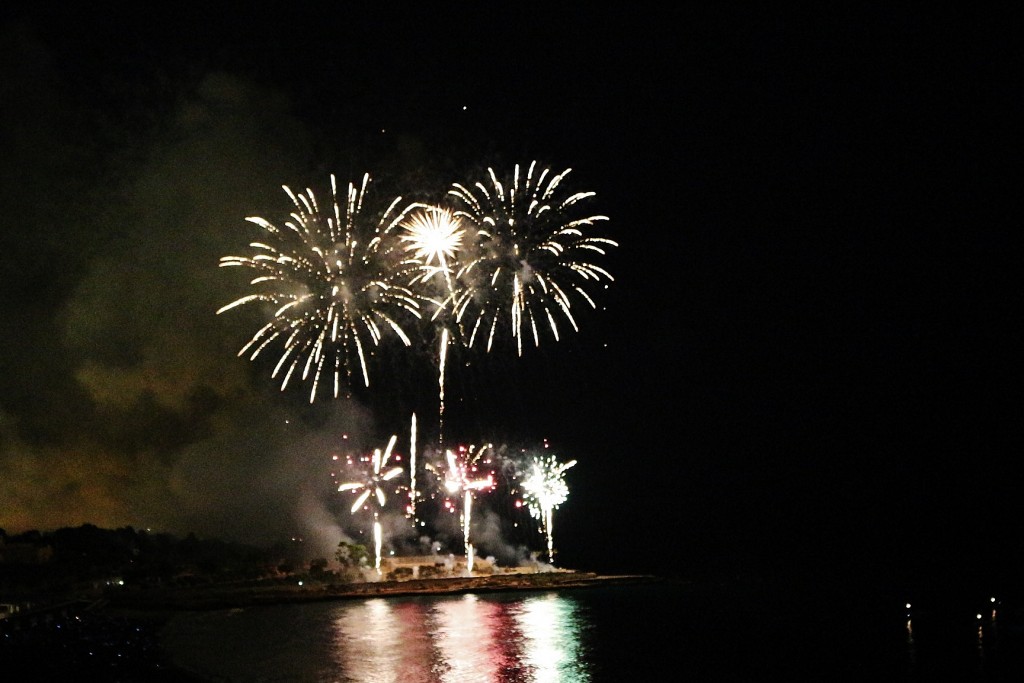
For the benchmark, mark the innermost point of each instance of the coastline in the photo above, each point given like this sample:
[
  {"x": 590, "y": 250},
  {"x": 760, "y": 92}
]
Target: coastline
[
  {"x": 117, "y": 637},
  {"x": 226, "y": 596}
]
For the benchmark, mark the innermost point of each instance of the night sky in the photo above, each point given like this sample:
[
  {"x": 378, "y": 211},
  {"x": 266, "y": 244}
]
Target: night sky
[{"x": 806, "y": 360}]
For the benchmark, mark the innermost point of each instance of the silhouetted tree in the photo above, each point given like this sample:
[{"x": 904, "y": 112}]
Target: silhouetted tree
[{"x": 351, "y": 557}]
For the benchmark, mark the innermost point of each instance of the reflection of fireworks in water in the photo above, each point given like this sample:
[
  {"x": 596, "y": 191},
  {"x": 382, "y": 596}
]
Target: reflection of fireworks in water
[
  {"x": 545, "y": 489},
  {"x": 372, "y": 483},
  {"x": 469, "y": 640},
  {"x": 462, "y": 472},
  {"x": 529, "y": 257},
  {"x": 552, "y": 628},
  {"x": 453, "y": 639},
  {"x": 336, "y": 282},
  {"x": 382, "y": 640}
]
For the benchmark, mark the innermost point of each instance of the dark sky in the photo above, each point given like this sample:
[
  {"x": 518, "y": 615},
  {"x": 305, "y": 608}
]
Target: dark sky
[{"x": 805, "y": 360}]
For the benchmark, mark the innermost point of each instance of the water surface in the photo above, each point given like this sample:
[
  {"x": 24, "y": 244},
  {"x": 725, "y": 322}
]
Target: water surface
[{"x": 658, "y": 631}]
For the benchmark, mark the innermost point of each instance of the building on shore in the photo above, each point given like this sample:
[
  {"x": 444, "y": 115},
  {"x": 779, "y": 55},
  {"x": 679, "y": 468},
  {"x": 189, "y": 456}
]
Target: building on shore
[{"x": 397, "y": 568}]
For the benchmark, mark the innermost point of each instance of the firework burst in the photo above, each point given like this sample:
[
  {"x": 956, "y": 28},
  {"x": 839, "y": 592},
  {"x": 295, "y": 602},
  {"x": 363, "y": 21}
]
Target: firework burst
[
  {"x": 373, "y": 482},
  {"x": 433, "y": 238},
  {"x": 529, "y": 256},
  {"x": 336, "y": 285},
  {"x": 545, "y": 489}
]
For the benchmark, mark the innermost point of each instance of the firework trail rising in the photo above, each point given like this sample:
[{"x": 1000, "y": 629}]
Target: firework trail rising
[
  {"x": 528, "y": 258},
  {"x": 545, "y": 489},
  {"x": 434, "y": 237},
  {"x": 336, "y": 283},
  {"x": 412, "y": 471},
  {"x": 373, "y": 482}
]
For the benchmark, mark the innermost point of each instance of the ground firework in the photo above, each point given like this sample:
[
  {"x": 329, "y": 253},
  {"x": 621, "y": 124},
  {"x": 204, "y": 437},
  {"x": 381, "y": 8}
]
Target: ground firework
[
  {"x": 373, "y": 479},
  {"x": 336, "y": 283},
  {"x": 464, "y": 472},
  {"x": 545, "y": 489},
  {"x": 529, "y": 256}
]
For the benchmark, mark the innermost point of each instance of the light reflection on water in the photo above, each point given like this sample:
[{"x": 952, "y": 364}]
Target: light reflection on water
[
  {"x": 553, "y": 649},
  {"x": 743, "y": 631},
  {"x": 526, "y": 638},
  {"x": 375, "y": 638},
  {"x": 467, "y": 635}
]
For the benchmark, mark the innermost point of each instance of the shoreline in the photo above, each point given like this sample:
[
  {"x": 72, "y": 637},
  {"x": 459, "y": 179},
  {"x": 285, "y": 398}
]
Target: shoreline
[{"x": 235, "y": 596}]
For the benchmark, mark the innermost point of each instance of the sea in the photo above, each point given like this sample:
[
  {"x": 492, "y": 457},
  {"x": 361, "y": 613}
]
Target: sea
[{"x": 661, "y": 630}]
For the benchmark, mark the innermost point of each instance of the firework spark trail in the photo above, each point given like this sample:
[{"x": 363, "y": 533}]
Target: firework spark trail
[
  {"x": 461, "y": 475},
  {"x": 528, "y": 258},
  {"x": 545, "y": 489},
  {"x": 442, "y": 359},
  {"x": 434, "y": 234},
  {"x": 412, "y": 471},
  {"x": 372, "y": 483},
  {"x": 337, "y": 283}
]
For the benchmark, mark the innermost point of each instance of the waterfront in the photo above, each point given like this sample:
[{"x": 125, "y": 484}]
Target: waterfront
[
  {"x": 745, "y": 631},
  {"x": 748, "y": 630}
]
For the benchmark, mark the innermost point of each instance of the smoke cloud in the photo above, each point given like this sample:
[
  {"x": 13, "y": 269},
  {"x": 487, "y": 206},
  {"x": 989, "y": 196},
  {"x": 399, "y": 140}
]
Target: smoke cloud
[{"x": 122, "y": 395}]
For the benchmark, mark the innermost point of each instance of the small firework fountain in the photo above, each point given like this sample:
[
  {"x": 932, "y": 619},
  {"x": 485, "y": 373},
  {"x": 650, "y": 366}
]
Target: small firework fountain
[
  {"x": 545, "y": 490},
  {"x": 463, "y": 473},
  {"x": 373, "y": 483}
]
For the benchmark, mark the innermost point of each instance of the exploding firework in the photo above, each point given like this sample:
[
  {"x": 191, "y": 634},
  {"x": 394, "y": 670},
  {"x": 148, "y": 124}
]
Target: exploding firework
[
  {"x": 372, "y": 483},
  {"x": 545, "y": 489},
  {"x": 336, "y": 285},
  {"x": 434, "y": 237},
  {"x": 529, "y": 256},
  {"x": 510, "y": 258},
  {"x": 463, "y": 473}
]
